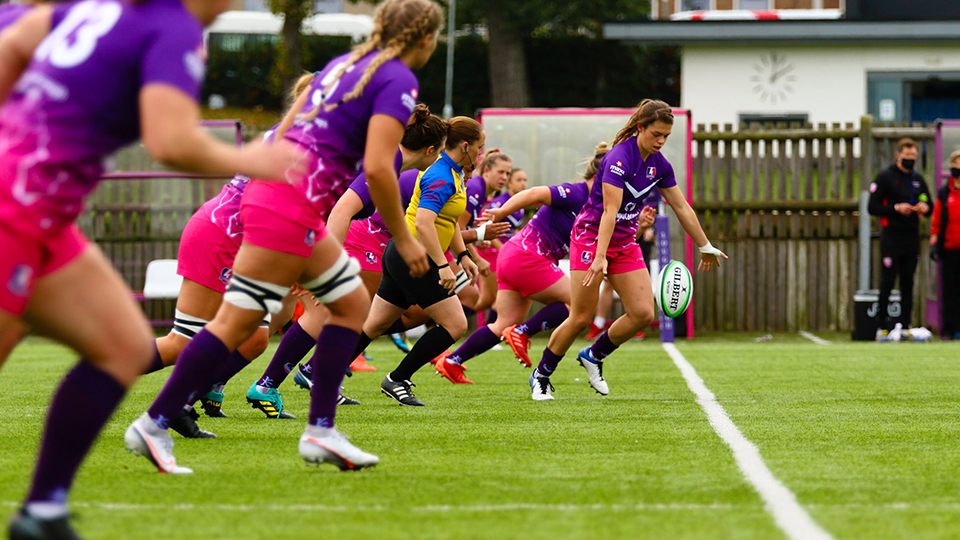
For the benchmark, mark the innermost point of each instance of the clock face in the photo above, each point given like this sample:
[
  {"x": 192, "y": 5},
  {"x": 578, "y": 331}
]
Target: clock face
[{"x": 773, "y": 78}]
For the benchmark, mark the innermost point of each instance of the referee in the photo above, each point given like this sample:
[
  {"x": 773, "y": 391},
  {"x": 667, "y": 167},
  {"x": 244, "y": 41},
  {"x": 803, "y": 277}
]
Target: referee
[
  {"x": 899, "y": 196},
  {"x": 439, "y": 198}
]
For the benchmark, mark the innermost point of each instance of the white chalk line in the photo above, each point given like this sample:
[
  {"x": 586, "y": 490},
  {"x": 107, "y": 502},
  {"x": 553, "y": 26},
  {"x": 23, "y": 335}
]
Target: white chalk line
[
  {"x": 813, "y": 338},
  {"x": 779, "y": 501}
]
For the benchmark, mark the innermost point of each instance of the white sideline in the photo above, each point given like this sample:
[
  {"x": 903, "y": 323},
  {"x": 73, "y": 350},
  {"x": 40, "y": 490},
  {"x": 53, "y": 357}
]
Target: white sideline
[
  {"x": 813, "y": 338},
  {"x": 787, "y": 513}
]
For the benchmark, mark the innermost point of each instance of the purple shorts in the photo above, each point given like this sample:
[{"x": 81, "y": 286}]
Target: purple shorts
[{"x": 525, "y": 272}]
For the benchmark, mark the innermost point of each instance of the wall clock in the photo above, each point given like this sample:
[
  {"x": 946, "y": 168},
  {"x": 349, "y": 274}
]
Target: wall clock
[{"x": 773, "y": 78}]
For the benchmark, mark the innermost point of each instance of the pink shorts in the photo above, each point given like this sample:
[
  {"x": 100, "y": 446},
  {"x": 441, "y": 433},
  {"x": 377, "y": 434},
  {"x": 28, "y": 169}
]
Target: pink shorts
[
  {"x": 206, "y": 253},
  {"x": 25, "y": 260},
  {"x": 620, "y": 260},
  {"x": 490, "y": 255},
  {"x": 276, "y": 216},
  {"x": 525, "y": 272},
  {"x": 366, "y": 246}
]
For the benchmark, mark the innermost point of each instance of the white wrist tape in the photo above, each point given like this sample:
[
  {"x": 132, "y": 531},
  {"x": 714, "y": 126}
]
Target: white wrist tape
[
  {"x": 710, "y": 250},
  {"x": 481, "y": 231}
]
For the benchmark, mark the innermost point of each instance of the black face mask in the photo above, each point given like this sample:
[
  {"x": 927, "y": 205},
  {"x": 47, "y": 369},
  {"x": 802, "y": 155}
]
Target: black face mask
[
  {"x": 908, "y": 163},
  {"x": 954, "y": 172}
]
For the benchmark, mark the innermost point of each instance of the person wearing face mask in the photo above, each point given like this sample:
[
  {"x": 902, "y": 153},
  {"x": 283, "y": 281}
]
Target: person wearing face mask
[
  {"x": 945, "y": 247},
  {"x": 899, "y": 196}
]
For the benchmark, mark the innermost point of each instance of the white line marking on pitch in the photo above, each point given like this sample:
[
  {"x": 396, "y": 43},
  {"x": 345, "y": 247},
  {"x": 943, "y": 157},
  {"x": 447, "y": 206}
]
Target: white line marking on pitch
[
  {"x": 778, "y": 499},
  {"x": 380, "y": 508},
  {"x": 813, "y": 338}
]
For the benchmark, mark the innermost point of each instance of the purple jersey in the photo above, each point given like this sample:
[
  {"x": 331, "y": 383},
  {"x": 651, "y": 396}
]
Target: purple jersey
[
  {"x": 515, "y": 219},
  {"x": 622, "y": 167},
  {"x": 338, "y": 137},
  {"x": 408, "y": 183},
  {"x": 360, "y": 187},
  {"x": 548, "y": 231},
  {"x": 10, "y": 13},
  {"x": 476, "y": 198},
  {"x": 78, "y": 100}
]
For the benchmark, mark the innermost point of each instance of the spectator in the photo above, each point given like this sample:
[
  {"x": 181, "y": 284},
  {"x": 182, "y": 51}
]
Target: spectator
[
  {"x": 945, "y": 247},
  {"x": 899, "y": 196}
]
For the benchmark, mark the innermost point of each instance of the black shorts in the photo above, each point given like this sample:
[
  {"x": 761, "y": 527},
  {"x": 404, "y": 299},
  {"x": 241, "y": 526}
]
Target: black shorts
[{"x": 403, "y": 290}]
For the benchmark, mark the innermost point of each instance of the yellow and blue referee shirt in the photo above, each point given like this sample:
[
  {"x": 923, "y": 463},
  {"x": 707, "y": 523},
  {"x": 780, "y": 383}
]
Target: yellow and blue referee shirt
[{"x": 440, "y": 189}]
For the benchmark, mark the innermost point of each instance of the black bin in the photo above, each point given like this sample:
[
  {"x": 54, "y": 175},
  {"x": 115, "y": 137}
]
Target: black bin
[{"x": 865, "y": 306}]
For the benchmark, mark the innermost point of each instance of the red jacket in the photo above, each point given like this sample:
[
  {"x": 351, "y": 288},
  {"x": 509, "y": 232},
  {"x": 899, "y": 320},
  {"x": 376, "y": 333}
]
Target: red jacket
[{"x": 952, "y": 238}]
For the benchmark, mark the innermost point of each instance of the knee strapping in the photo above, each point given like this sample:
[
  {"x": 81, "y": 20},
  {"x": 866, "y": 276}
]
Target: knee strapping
[
  {"x": 255, "y": 295},
  {"x": 187, "y": 325},
  {"x": 340, "y": 280},
  {"x": 462, "y": 281}
]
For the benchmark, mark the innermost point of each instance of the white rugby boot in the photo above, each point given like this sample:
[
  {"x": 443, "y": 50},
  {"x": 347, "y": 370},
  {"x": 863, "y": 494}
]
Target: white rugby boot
[
  {"x": 594, "y": 369},
  {"x": 144, "y": 438},
  {"x": 327, "y": 445}
]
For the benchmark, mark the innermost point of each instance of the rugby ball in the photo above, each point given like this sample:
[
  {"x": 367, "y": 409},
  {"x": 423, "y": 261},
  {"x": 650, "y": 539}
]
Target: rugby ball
[{"x": 675, "y": 289}]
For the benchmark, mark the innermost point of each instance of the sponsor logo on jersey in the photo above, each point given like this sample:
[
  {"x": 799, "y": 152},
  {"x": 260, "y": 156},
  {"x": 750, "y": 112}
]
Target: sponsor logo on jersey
[
  {"x": 310, "y": 238},
  {"x": 194, "y": 64},
  {"x": 586, "y": 257},
  {"x": 617, "y": 170},
  {"x": 888, "y": 262},
  {"x": 225, "y": 275},
  {"x": 873, "y": 187},
  {"x": 371, "y": 258},
  {"x": 19, "y": 282},
  {"x": 409, "y": 102},
  {"x": 414, "y": 93},
  {"x": 651, "y": 172},
  {"x": 436, "y": 185}
]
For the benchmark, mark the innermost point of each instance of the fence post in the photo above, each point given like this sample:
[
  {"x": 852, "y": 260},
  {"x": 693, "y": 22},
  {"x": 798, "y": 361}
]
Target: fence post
[{"x": 866, "y": 175}]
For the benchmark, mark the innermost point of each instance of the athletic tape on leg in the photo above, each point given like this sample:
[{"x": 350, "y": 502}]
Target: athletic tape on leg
[
  {"x": 187, "y": 325},
  {"x": 338, "y": 281},
  {"x": 266, "y": 321},
  {"x": 462, "y": 281},
  {"x": 255, "y": 295}
]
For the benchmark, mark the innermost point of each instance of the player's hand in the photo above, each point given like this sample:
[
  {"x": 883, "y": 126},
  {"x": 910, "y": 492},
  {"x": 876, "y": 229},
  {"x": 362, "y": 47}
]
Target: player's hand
[
  {"x": 472, "y": 269},
  {"x": 922, "y": 207},
  {"x": 413, "y": 254},
  {"x": 448, "y": 280},
  {"x": 496, "y": 230},
  {"x": 596, "y": 271},
  {"x": 482, "y": 265},
  {"x": 647, "y": 215},
  {"x": 933, "y": 239},
  {"x": 491, "y": 216}
]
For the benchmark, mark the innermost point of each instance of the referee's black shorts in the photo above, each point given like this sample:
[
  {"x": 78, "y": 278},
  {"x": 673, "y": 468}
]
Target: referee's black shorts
[{"x": 403, "y": 290}]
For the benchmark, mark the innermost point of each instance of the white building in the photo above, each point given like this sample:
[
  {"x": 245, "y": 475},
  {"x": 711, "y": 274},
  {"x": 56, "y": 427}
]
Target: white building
[{"x": 809, "y": 70}]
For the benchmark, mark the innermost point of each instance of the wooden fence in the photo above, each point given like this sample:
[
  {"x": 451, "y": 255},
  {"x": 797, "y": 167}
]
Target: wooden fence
[{"x": 783, "y": 203}]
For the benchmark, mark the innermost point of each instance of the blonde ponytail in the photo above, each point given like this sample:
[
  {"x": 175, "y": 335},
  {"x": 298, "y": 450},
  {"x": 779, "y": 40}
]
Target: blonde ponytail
[{"x": 593, "y": 165}]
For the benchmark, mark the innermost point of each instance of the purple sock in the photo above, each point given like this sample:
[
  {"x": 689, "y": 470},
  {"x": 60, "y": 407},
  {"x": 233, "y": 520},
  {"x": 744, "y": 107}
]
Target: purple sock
[
  {"x": 468, "y": 312},
  {"x": 549, "y": 362},
  {"x": 296, "y": 343},
  {"x": 80, "y": 408},
  {"x": 157, "y": 363},
  {"x": 233, "y": 365},
  {"x": 602, "y": 347},
  {"x": 396, "y": 328},
  {"x": 192, "y": 374},
  {"x": 549, "y": 317},
  {"x": 334, "y": 353},
  {"x": 479, "y": 342}
]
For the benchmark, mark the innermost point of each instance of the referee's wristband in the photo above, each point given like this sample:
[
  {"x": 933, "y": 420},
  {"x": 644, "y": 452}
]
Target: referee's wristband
[
  {"x": 444, "y": 265},
  {"x": 461, "y": 255}
]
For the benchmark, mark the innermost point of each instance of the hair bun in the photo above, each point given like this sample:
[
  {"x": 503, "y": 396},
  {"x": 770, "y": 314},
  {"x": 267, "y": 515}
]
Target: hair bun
[{"x": 601, "y": 149}]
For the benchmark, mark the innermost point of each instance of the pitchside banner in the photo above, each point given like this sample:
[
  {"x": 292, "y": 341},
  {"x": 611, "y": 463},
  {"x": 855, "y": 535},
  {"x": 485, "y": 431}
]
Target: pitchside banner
[{"x": 553, "y": 146}]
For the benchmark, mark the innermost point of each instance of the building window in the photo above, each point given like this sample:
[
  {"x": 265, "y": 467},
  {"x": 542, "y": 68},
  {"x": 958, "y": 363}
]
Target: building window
[
  {"x": 761, "y": 5},
  {"x": 695, "y": 5},
  {"x": 764, "y": 119}
]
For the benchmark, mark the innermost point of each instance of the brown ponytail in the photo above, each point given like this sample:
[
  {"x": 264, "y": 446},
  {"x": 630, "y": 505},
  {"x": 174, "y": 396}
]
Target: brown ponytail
[
  {"x": 462, "y": 129},
  {"x": 593, "y": 165},
  {"x": 423, "y": 130},
  {"x": 648, "y": 112},
  {"x": 397, "y": 26}
]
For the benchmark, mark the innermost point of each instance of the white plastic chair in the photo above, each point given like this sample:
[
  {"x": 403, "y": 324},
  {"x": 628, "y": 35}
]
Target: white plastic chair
[{"x": 162, "y": 281}]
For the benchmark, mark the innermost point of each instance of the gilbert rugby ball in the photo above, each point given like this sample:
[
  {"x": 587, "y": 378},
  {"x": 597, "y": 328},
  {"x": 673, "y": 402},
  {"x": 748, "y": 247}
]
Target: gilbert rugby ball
[{"x": 676, "y": 289}]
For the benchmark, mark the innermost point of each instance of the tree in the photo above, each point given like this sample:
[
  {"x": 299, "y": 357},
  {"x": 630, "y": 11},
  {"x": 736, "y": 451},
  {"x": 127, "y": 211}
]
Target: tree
[
  {"x": 289, "y": 64},
  {"x": 511, "y": 24}
]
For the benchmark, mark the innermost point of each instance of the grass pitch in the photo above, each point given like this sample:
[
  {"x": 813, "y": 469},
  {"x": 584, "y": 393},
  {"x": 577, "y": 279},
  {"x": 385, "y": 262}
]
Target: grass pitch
[{"x": 865, "y": 435}]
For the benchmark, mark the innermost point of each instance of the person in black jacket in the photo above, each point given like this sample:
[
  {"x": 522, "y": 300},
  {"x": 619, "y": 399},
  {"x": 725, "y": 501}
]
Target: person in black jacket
[
  {"x": 899, "y": 196},
  {"x": 945, "y": 244}
]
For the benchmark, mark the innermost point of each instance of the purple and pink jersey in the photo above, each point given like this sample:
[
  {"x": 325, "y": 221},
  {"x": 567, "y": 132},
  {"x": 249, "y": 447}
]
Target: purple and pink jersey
[
  {"x": 476, "y": 189},
  {"x": 623, "y": 167},
  {"x": 548, "y": 231},
  {"x": 56, "y": 127},
  {"x": 338, "y": 137},
  {"x": 515, "y": 219},
  {"x": 360, "y": 187}
]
